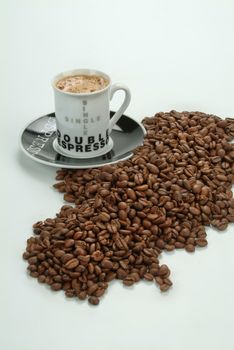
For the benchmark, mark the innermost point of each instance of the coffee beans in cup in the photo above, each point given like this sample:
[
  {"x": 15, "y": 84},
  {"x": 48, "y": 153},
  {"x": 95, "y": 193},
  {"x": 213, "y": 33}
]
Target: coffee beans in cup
[{"x": 120, "y": 218}]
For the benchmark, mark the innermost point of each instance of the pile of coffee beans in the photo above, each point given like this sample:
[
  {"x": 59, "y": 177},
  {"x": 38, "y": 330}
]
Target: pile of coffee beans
[{"x": 121, "y": 217}]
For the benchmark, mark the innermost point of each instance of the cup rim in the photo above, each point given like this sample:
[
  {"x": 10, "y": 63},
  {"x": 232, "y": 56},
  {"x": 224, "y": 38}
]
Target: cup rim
[{"x": 87, "y": 71}]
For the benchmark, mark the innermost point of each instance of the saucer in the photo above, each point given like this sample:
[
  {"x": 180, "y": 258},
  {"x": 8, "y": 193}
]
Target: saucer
[{"x": 38, "y": 137}]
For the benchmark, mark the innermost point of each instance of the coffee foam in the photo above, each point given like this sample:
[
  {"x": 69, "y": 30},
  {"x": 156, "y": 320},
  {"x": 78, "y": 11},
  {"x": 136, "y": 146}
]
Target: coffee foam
[{"x": 82, "y": 83}]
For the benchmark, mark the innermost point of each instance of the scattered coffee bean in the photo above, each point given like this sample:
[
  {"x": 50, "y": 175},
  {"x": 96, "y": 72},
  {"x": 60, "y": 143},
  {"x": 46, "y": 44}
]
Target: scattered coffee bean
[
  {"x": 190, "y": 248},
  {"x": 93, "y": 300},
  {"x": 164, "y": 287},
  {"x": 121, "y": 217}
]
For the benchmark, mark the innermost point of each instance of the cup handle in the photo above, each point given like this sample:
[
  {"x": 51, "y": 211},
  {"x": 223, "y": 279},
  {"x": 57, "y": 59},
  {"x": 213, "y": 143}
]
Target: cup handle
[{"x": 115, "y": 87}]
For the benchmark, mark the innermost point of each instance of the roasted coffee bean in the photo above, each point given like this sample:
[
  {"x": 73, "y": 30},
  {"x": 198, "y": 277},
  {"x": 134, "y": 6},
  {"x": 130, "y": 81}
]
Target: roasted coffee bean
[
  {"x": 159, "y": 280},
  {"x": 125, "y": 215},
  {"x": 164, "y": 287},
  {"x": 135, "y": 276},
  {"x": 148, "y": 276},
  {"x": 201, "y": 242},
  {"x": 122, "y": 214},
  {"x": 104, "y": 217},
  {"x": 69, "y": 243},
  {"x": 66, "y": 257},
  {"x": 167, "y": 281},
  {"x": 93, "y": 300},
  {"x": 131, "y": 194},
  {"x": 32, "y": 260},
  {"x": 69, "y": 198},
  {"x": 99, "y": 292},
  {"x": 194, "y": 211},
  {"x": 190, "y": 248},
  {"x": 110, "y": 276},
  {"x": 71, "y": 264},
  {"x": 82, "y": 295},
  {"x": 92, "y": 289},
  {"x": 121, "y": 273},
  {"x": 106, "y": 264},
  {"x": 56, "y": 286},
  {"x": 163, "y": 270},
  {"x": 128, "y": 281},
  {"x": 97, "y": 255},
  {"x": 41, "y": 278}
]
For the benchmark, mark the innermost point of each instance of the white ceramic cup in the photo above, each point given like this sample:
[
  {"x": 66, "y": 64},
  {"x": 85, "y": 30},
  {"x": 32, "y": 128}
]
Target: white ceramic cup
[{"x": 83, "y": 119}]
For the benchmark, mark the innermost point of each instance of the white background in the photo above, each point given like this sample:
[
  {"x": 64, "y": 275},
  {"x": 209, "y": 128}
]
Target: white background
[{"x": 172, "y": 55}]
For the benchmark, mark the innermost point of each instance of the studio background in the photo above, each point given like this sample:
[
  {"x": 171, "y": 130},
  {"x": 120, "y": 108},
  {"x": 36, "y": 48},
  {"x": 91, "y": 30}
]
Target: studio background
[{"x": 172, "y": 55}]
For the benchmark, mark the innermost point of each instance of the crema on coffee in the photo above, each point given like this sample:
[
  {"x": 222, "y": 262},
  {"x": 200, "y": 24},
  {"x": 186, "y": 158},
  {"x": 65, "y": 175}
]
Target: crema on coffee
[{"x": 82, "y": 83}]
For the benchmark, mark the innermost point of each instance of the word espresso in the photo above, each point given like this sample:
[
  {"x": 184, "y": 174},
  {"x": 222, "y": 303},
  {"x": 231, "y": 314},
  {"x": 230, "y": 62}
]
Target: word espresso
[
  {"x": 77, "y": 143},
  {"x": 123, "y": 216}
]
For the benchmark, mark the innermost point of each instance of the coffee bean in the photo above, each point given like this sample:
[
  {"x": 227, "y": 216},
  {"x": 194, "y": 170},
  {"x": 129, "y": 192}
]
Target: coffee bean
[
  {"x": 71, "y": 264},
  {"x": 164, "y": 287},
  {"x": 105, "y": 176},
  {"x": 179, "y": 245},
  {"x": 106, "y": 264},
  {"x": 121, "y": 273},
  {"x": 206, "y": 209},
  {"x": 82, "y": 295},
  {"x": 128, "y": 281},
  {"x": 56, "y": 286},
  {"x": 169, "y": 205},
  {"x": 122, "y": 205},
  {"x": 215, "y": 159},
  {"x": 135, "y": 276},
  {"x": 69, "y": 243},
  {"x": 32, "y": 260},
  {"x": 159, "y": 146},
  {"x": 201, "y": 242},
  {"x": 97, "y": 255},
  {"x": 92, "y": 289},
  {"x": 160, "y": 243},
  {"x": 84, "y": 260},
  {"x": 57, "y": 278},
  {"x": 148, "y": 277},
  {"x": 167, "y": 281},
  {"x": 124, "y": 215},
  {"x": 163, "y": 270},
  {"x": 99, "y": 292},
  {"x": 41, "y": 256},
  {"x": 26, "y": 255},
  {"x": 138, "y": 178},
  {"x": 194, "y": 211},
  {"x": 131, "y": 194},
  {"x": 104, "y": 217},
  {"x": 221, "y": 177},
  {"x": 185, "y": 232},
  {"x": 93, "y": 300},
  {"x": 159, "y": 280},
  {"x": 197, "y": 188},
  {"x": 110, "y": 276},
  {"x": 220, "y": 224},
  {"x": 190, "y": 248},
  {"x": 66, "y": 257},
  {"x": 69, "y": 198},
  {"x": 41, "y": 278},
  {"x": 93, "y": 189}
]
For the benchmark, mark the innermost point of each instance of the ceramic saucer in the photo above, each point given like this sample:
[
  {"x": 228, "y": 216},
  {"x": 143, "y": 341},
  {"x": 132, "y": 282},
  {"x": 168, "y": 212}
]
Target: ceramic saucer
[{"x": 38, "y": 137}]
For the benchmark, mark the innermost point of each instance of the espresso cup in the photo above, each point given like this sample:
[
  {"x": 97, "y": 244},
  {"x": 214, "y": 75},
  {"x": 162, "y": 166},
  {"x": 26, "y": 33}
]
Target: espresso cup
[{"x": 83, "y": 118}]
